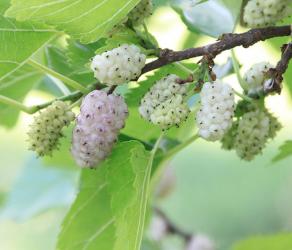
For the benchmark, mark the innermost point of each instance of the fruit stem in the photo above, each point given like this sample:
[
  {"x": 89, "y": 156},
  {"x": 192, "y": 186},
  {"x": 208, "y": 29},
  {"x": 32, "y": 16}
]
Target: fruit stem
[
  {"x": 57, "y": 75},
  {"x": 10, "y": 102},
  {"x": 74, "y": 104},
  {"x": 244, "y": 97},
  {"x": 237, "y": 70},
  {"x": 173, "y": 151},
  {"x": 146, "y": 31}
]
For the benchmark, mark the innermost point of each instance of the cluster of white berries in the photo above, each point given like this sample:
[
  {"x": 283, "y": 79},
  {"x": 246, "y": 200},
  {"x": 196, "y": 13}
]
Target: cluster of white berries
[
  {"x": 216, "y": 112},
  {"x": 100, "y": 119},
  {"x": 260, "y": 13},
  {"x": 47, "y": 126},
  {"x": 200, "y": 242},
  {"x": 249, "y": 135},
  {"x": 256, "y": 78},
  {"x": 164, "y": 104},
  {"x": 141, "y": 11},
  {"x": 119, "y": 65}
]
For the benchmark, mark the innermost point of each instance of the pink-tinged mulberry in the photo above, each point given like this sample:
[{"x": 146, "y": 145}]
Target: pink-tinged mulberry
[{"x": 97, "y": 127}]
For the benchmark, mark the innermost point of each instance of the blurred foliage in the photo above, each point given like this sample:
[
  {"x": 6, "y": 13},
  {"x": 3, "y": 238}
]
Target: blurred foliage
[
  {"x": 285, "y": 151},
  {"x": 274, "y": 242}
]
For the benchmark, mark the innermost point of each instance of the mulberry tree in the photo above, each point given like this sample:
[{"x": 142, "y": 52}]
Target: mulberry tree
[{"x": 122, "y": 100}]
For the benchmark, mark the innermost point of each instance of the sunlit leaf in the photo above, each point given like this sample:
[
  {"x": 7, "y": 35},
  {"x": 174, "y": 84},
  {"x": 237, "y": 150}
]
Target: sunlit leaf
[
  {"x": 16, "y": 86},
  {"x": 274, "y": 242},
  {"x": 285, "y": 151},
  {"x": 84, "y": 20},
  {"x": 109, "y": 211},
  {"x": 19, "y": 41}
]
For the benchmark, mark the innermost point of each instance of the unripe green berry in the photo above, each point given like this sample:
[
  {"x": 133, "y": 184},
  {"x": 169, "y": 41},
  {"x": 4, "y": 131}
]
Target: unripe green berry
[
  {"x": 140, "y": 12},
  {"x": 46, "y": 129}
]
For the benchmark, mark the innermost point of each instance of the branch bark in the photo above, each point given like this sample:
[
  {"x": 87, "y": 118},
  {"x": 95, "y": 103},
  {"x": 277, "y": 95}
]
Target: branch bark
[
  {"x": 277, "y": 73},
  {"x": 172, "y": 228},
  {"x": 225, "y": 42}
]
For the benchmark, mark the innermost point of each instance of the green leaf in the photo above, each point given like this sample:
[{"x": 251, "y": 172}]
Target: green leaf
[
  {"x": 19, "y": 41},
  {"x": 121, "y": 36},
  {"x": 56, "y": 59},
  {"x": 109, "y": 211},
  {"x": 38, "y": 189},
  {"x": 79, "y": 55},
  {"x": 62, "y": 158},
  {"x": 274, "y": 242},
  {"x": 86, "y": 21},
  {"x": 223, "y": 70},
  {"x": 284, "y": 151},
  {"x": 16, "y": 86},
  {"x": 212, "y": 18}
]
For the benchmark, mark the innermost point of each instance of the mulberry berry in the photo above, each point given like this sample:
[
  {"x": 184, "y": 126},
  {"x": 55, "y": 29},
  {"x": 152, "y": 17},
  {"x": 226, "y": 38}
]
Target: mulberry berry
[
  {"x": 261, "y": 13},
  {"x": 275, "y": 125},
  {"x": 119, "y": 65},
  {"x": 255, "y": 128},
  {"x": 98, "y": 124},
  {"x": 163, "y": 104},
  {"x": 140, "y": 12},
  {"x": 47, "y": 126},
  {"x": 217, "y": 110},
  {"x": 229, "y": 137},
  {"x": 256, "y": 77}
]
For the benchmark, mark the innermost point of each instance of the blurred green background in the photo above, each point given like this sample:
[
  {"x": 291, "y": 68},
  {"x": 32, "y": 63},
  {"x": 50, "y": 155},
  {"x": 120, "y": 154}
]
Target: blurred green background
[{"x": 216, "y": 193}]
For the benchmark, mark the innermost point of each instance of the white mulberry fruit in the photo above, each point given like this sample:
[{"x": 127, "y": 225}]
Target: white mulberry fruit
[
  {"x": 98, "y": 124},
  {"x": 47, "y": 126},
  {"x": 261, "y": 13},
  {"x": 119, "y": 65},
  {"x": 141, "y": 12},
  {"x": 164, "y": 104},
  {"x": 217, "y": 110},
  {"x": 255, "y": 78},
  {"x": 254, "y": 130}
]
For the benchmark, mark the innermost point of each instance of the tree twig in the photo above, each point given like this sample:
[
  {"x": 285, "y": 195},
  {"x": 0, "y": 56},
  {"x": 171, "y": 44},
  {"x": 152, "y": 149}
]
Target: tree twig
[
  {"x": 111, "y": 89},
  {"x": 226, "y": 42},
  {"x": 277, "y": 73},
  {"x": 171, "y": 227}
]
